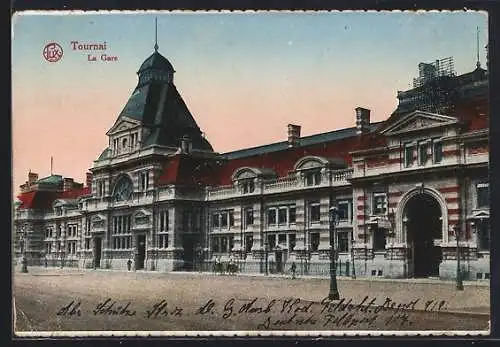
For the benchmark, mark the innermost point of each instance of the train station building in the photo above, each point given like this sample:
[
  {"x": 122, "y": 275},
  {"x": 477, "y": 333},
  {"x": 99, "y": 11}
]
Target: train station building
[{"x": 406, "y": 190}]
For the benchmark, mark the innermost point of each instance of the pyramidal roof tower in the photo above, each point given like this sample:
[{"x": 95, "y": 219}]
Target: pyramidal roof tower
[{"x": 159, "y": 108}]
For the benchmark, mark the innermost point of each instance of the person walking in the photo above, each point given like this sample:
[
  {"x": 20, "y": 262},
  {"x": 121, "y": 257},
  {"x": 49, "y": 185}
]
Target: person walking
[{"x": 293, "y": 268}]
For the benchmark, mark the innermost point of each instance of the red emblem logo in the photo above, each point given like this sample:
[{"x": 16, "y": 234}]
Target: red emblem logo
[{"x": 52, "y": 52}]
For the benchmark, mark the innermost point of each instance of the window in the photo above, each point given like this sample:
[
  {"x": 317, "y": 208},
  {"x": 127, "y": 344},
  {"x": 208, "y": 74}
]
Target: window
[
  {"x": 248, "y": 216},
  {"x": 437, "y": 151},
  {"x": 248, "y": 243},
  {"x": 483, "y": 234},
  {"x": 291, "y": 242},
  {"x": 163, "y": 221},
  {"x": 271, "y": 241},
  {"x": 483, "y": 195},
  {"x": 187, "y": 220},
  {"x": 144, "y": 180},
  {"x": 230, "y": 244},
  {"x": 223, "y": 220},
  {"x": 408, "y": 155},
  {"x": 134, "y": 140},
  {"x": 378, "y": 239},
  {"x": 121, "y": 233},
  {"x": 282, "y": 239},
  {"x": 248, "y": 186},
  {"x": 100, "y": 188},
  {"x": 224, "y": 244},
  {"x": 124, "y": 143},
  {"x": 343, "y": 241},
  {"x": 379, "y": 203},
  {"x": 292, "y": 214},
  {"x": 344, "y": 210},
  {"x": 313, "y": 178},
  {"x": 282, "y": 212},
  {"x": 163, "y": 240},
  {"x": 314, "y": 212},
  {"x": 314, "y": 242},
  {"x": 87, "y": 243},
  {"x": 215, "y": 220},
  {"x": 422, "y": 153},
  {"x": 271, "y": 216},
  {"x": 215, "y": 245}
]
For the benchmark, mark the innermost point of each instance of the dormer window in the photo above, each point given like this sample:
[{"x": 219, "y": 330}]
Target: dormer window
[
  {"x": 248, "y": 186},
  {"x": 313, "y": 178}
]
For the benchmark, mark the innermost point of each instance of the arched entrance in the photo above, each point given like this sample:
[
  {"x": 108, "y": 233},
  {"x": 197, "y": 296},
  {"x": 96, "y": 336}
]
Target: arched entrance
[{"x": 424, "y": 226}]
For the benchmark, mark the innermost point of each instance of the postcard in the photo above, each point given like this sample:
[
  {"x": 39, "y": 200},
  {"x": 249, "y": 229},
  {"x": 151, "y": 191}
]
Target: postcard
[{"x": 250, "y": 173}]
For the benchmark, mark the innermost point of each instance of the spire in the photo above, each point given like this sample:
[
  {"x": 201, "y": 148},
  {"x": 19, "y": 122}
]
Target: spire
[
  {"x": 156, "y": 34},
  {"x": 478, "y": 63}
]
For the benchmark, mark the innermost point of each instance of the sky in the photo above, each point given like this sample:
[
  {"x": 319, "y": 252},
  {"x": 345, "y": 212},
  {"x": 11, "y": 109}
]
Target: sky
[{"x": 244, "y": 76}]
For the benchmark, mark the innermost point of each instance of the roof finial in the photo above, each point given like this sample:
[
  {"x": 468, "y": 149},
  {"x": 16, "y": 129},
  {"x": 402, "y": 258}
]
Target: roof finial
[
  {"x": 156, "y": 34},
  {"x": 478, "y": 63}
]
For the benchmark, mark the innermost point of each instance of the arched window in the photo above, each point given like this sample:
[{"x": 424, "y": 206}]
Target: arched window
[{"x": 123, "y": 189}]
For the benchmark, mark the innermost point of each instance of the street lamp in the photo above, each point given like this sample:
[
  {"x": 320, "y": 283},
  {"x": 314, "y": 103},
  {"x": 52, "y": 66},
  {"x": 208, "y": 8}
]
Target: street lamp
[
  {"x": 460, "y": 284},
  {"x": 334, "y": 293},
  {"x": 391, "y": 216},
  {"x": 353, "y": 273},
  {"x": 24, "y": 261}
]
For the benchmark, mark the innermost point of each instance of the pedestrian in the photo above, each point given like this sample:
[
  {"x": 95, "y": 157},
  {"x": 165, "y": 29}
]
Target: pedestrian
[
  {"x": 45, "y": 262},
  {"x": 129, "y": 264},
  {"x": 293, "y": 268}
]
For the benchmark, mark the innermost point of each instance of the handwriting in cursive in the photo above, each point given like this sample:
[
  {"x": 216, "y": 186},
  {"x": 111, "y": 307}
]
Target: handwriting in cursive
[{"x": 110, "y": 307}]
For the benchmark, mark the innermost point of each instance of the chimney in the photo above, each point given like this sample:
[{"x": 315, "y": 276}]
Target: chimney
[
  {"x": 67, "y": 184},
  {"x": 362, "y": 120},
  {"x": 88, "y": 179},
  {"x": 293, "y": 135},
  {"x": 32, "y": 178},
  {"x": 186, "y": 145}
]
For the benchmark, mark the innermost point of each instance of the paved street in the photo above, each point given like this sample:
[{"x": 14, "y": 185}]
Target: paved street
[{"x": 86, "y": 300}]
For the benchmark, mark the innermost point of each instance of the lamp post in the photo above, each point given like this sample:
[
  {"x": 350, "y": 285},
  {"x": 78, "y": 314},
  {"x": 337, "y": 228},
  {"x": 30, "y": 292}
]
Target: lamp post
[
  {"x": 334, "y": 293},
  {"x": 24, "y": 261},
  {"x": 353, "y": 272},
  {"x": 460, "y": 284},
  {"x": 392, "y": 217}
]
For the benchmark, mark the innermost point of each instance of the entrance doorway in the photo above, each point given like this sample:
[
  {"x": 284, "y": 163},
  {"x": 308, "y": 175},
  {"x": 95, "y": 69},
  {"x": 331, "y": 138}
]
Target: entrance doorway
[
  {"x": 279, "y": 261},
  {"x": 141, "y": 252},
  {"x": 189, "y": 243},
  {"x": 424, "y": 227},
  {"x": 97, "y": 252}
]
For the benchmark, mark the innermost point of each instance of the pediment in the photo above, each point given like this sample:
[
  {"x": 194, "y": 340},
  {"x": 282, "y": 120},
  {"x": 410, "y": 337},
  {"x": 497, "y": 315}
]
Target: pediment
[
  {"x": 419, "y": 120},
  {"x": 252, "y": 172},
  {"x": 123, "y": 124},
  {"x": 310, "y": 162}
]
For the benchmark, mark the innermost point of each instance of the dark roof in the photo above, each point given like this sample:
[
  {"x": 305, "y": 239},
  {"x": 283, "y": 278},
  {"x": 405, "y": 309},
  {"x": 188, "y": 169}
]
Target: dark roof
[
  {"x": 43, "y": 200},
  {"x": 303, "y": 142},
  {"x": 53, "y": 179},
  {"x": 156, "y": 61},
  {"x": 158, "y": 106}
]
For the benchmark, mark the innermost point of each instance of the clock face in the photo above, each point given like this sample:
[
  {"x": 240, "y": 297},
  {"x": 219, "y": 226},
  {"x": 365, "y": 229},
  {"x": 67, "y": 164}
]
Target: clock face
[{"x": 123, "y": 189}]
